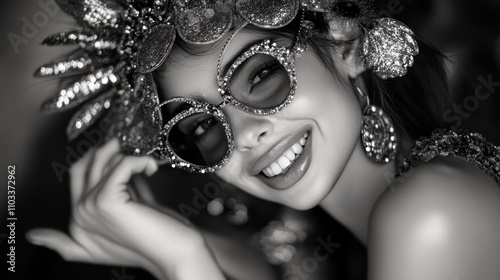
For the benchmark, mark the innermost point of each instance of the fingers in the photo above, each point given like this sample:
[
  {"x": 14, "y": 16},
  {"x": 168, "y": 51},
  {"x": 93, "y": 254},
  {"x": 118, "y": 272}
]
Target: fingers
[
  {"x": 108, "y": 172},
  {"x": 143, "y": 190},
  {"x": 105, "y": 156},
  {"x": 88, "y": 170},
  {"x": 59, "y": 242},
  {"x": 116, "y": 184},
  {"x": 112, "y": 163},
  {"x": 78, "y": 176}
]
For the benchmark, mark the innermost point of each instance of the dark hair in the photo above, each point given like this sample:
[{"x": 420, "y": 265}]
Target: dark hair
[{"x": 414, "y": 102}]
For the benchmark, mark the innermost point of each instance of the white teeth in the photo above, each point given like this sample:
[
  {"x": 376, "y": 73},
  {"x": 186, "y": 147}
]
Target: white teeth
[
  {"x": 266, "y": 172},
  {"x": 297, "y": 148},
  {"x": 283, "y": 162},
  {"x": 290, "y": 155},
  {"x": 275, "y": 167},
  {"x": 269, "y": 171}
]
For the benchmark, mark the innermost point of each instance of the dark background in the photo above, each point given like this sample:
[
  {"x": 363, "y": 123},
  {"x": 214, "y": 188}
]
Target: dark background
[{"x": 468, "y": 31}]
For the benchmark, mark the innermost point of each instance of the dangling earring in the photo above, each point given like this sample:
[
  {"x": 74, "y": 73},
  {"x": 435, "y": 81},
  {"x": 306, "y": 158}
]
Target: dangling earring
[{"x": 377, "y": 134}]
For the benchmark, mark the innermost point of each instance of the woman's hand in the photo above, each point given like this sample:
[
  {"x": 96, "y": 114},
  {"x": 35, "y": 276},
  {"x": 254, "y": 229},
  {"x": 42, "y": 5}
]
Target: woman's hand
[{"x": 110, "y": 226}]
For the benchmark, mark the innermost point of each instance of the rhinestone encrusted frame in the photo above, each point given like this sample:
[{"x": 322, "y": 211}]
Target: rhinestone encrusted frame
[
  {"x": 165, "y": 152},
  {"x": 284, "y": 54}
]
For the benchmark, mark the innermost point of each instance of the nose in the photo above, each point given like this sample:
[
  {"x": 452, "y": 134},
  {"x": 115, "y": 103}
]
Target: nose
[{"x": 249, "y": 131}]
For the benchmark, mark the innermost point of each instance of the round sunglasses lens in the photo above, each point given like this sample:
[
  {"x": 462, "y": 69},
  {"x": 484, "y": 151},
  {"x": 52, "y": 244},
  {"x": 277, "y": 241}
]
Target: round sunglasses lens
[
  {"x": 261, "y": 81},
  {"x": 199, "y": 139}
]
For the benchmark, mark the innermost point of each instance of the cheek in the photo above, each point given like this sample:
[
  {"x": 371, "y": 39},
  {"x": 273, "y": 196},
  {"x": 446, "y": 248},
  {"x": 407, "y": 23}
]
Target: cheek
[
  {"x": 328, "y": 100},
  {"x": 332, "y": 106},
  {"x": 231, "y": 171}
]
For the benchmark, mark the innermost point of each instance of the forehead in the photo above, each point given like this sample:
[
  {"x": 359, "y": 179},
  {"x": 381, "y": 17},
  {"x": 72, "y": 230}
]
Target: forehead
[{"x": 193, "y": 73}]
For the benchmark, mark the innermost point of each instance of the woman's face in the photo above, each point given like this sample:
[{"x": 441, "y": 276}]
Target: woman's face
[{"x": 272, "y": 159}]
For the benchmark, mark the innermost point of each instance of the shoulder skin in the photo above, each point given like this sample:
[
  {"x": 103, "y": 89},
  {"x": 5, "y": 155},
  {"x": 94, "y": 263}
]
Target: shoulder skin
[{"x": 439, "y": 221}]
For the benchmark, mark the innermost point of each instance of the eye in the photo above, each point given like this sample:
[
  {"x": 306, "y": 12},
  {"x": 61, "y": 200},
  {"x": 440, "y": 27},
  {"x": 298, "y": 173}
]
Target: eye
[
  {"x": 261, "y": 74},
  {"x": 262, "y": 71},
  {"x": 203, "y": 126},
  {"x": 261, "y": 80},
  {"x": 265, "y": 73},
  {"x": 196, "y": 126}
]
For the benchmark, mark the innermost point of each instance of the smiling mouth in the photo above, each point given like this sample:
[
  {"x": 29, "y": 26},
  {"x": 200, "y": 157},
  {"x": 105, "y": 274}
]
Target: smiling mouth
[
  {"x": 287, "y": 162},
  {"x": 287, "y": 159}
]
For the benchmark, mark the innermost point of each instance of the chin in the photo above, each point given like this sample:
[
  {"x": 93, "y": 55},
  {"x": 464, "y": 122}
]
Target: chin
[
  {"x": 323, "y": 174},
  {"x": 304, "y": 195},
  {"x": 310, "y": 191}
]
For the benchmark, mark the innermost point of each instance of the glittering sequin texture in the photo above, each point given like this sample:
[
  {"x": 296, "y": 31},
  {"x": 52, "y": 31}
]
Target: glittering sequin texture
[
  {"x": 201, "y": 22},
  {"x": 155, "y": 47},
  {"x": 389, "y": 48},
  {"x": 268, "y": 14},
  {"x": 98, "y": 14},
  {"x": 470, "y": 147}
]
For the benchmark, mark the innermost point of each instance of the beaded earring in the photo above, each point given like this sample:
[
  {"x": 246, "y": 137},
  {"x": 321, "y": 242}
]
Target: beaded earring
[{"x": 377, "y": 133}]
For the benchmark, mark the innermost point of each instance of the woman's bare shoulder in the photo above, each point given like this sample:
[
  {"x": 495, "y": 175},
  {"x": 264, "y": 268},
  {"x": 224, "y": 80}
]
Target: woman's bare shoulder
[
  {"x": 442, "y": 182},
  {"x": 437, "y": 220}
]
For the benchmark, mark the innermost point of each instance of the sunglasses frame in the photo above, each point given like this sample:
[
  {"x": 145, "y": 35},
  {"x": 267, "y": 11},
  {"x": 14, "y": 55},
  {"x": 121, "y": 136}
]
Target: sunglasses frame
[
  {"x": 164, "y": 150},
  {"x": 286, "y": 56}
]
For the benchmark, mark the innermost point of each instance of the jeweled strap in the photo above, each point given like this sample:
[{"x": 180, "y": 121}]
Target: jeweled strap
[{"x": 471, "y": 147}]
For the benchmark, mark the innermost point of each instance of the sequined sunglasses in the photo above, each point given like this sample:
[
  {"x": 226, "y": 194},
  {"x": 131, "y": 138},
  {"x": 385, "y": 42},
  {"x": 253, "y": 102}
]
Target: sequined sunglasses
[{"x": 261, "y": 81}]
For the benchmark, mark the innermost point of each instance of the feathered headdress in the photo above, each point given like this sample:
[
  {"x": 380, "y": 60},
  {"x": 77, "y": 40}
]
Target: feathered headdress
[{"x": 122, "y": 41}]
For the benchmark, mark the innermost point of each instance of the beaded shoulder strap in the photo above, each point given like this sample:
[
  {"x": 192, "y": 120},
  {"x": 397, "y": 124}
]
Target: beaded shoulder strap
[{"x": 471, "y": 147}]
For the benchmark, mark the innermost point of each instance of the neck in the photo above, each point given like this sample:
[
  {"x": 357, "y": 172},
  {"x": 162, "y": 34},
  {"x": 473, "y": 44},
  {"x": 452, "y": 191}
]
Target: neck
[{"x": 351, "y": 200}]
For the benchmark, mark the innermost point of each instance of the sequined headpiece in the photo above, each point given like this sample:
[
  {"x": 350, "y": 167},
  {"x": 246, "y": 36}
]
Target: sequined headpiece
[{"x": 122, "y": 41}]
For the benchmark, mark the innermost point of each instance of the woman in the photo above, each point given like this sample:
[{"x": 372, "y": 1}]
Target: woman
[{"x": 272, "y": 101}]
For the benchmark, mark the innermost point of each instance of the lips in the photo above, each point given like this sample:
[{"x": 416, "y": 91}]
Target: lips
[{"x": 278, "y": 168}]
